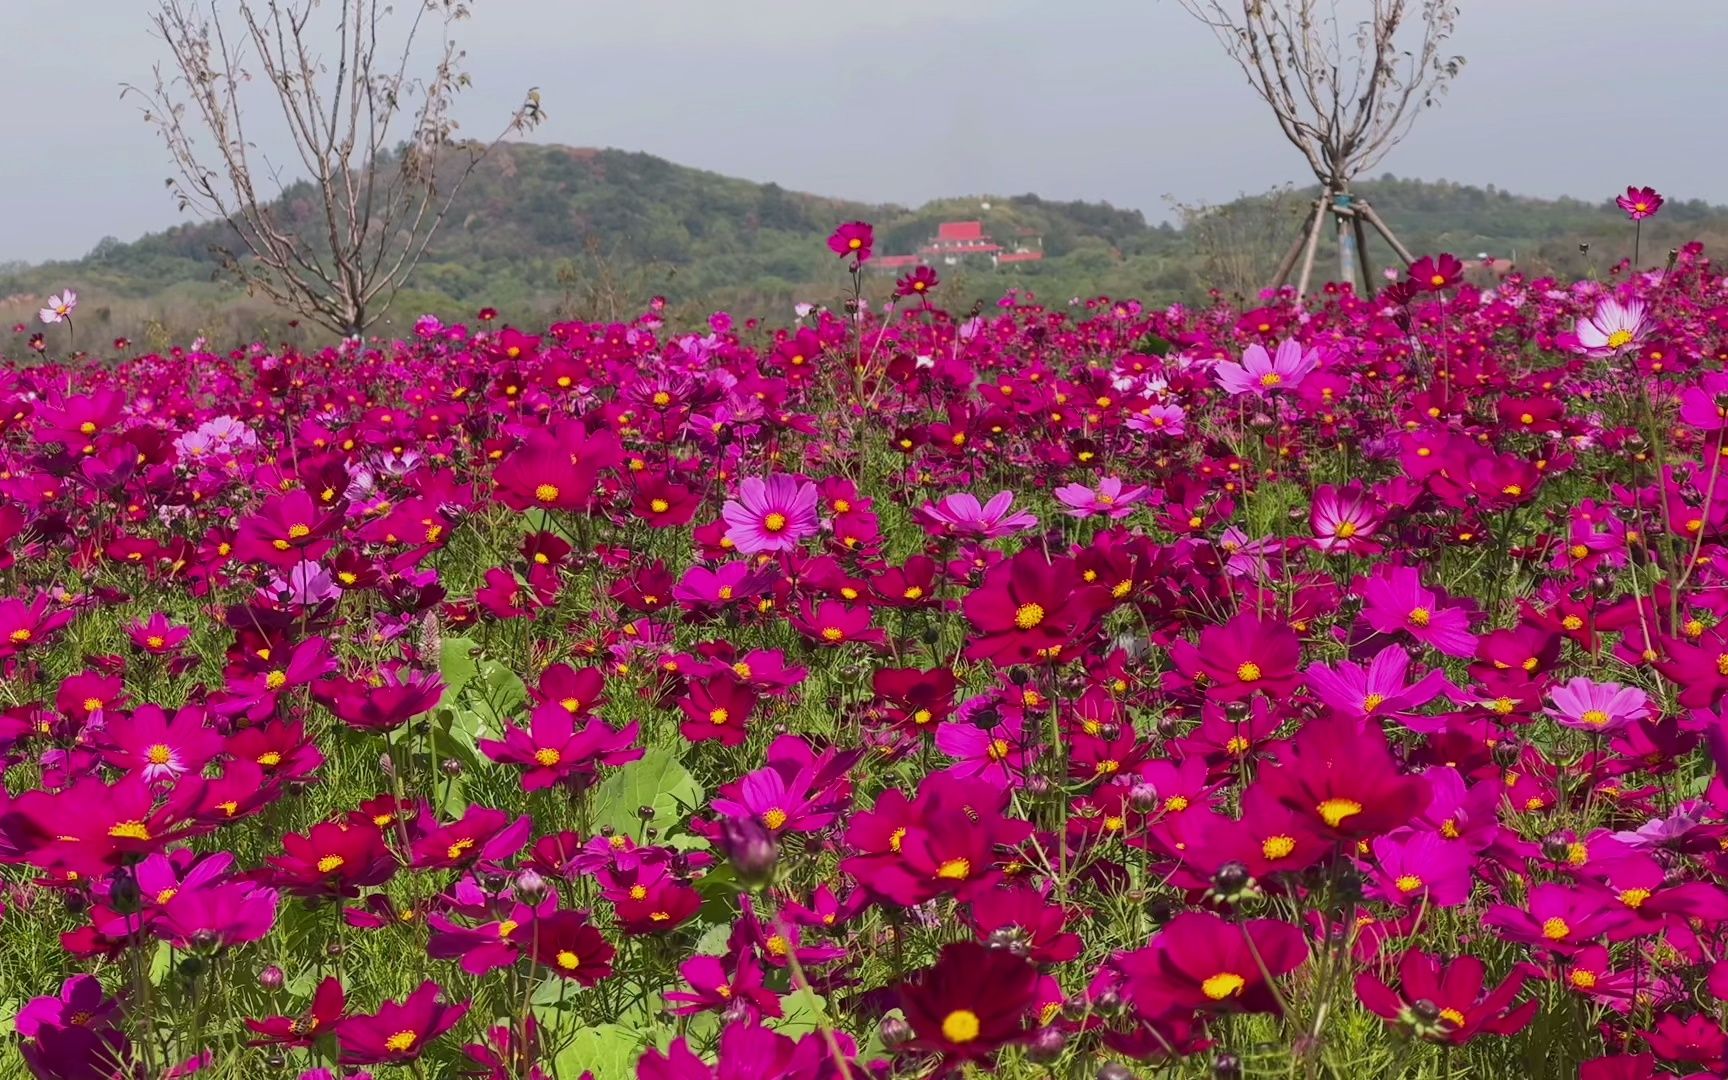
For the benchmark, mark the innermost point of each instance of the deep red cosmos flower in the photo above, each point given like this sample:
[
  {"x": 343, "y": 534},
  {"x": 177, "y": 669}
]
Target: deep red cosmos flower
[
  {"x": 334, "y": 858},
  {"x": 1445, "y": 1000},
  {"x": 568, "y": 946},
  {"x": 1431, "y": 273},
  {"x": 1342, "y": 780},
  {"x": 1201, "y": 961},
  {"x": 918, "y": 283},
  {"x": 1031, "y": 608},
  {"x": 319, "y": 1019},
  {"x": 399, "y": 1031},
  {"x": 972, "y": 1002}
]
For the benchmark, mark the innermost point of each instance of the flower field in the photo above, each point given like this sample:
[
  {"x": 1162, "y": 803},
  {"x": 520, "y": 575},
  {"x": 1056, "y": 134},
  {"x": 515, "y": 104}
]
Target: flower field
[{"x": 1328, "y": 688}]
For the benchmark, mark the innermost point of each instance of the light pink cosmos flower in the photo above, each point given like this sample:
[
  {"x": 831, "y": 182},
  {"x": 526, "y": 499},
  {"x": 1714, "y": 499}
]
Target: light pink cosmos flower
[
  {"x": 1263, "y": 374},
  {"x": 60, "y": 307},
  {"x": 1344, "y": 520},
  {"x": 1160, "y": 420},
  {"x": 1613, "y": 326},
  {"x": 960, "y": 514},
  {"x": 1109, "y": 499},
  {"x": 773, "y": 514},
  {"x": 1592, "y": 706}
]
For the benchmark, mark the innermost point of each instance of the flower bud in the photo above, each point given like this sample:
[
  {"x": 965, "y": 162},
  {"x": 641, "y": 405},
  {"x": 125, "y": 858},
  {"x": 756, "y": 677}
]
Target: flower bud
[
  {"x": 530, "y": 886},
  {"x": 1046, "y": 1045},
  {"x": 895, "y": 1032},
  {"x": 1143, "y": 797},
  {"x": 751, "y": 849},
  {"x": 271, "y": 978},
  {"x": 1115, "y": 1071},
  {"x": 1227, "y": 1067}
]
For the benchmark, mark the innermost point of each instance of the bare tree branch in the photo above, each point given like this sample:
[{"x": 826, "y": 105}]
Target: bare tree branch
[
  {"x": 378, "y": 146},
  {"x": 1344, "y": 107}
]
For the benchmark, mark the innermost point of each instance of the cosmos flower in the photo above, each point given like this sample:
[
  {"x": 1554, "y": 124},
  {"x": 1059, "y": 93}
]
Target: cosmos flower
[
  {"x": 60, "y": 307},
  {"x": 773, "y": 514},
  {"x": 1263, "y": 374},
  {"x": 400, "y": 1031},
  {"x": 854, "y": 239},
  {"x": 1639, "y": 202},
  {"x": 1598, "y": 706},
  {"x": 1109, "y": 499},
  {"x": 1612, "y": 328}
]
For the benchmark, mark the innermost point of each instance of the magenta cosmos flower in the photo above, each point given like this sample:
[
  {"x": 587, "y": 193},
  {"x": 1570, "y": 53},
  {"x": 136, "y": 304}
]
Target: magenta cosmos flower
[
  {"x": 1639, "y": 202},
  {"x": 1613, "y": 326},
  {"x": 774, "y": 514},
  {"x": 1593, "y": 706},
  {"x": 1262, "y": 373},
  {"x": 398, "y": 1031},
  {"x": 853, "y": 238}
]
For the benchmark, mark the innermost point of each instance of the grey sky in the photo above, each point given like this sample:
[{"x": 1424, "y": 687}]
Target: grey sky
[{"x": 1123, "y": 100}]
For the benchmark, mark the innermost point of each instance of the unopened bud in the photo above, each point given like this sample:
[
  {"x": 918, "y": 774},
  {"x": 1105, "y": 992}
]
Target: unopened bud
[
  {"x": 271, "y": 978},
  {"x": 751, "y": 849}
]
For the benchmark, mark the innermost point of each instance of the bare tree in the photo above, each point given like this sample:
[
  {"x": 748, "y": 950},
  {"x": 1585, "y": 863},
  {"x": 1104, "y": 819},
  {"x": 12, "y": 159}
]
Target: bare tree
[
  {"x": 377, "y": 145},
  {"x": 1344, "y": 93}
]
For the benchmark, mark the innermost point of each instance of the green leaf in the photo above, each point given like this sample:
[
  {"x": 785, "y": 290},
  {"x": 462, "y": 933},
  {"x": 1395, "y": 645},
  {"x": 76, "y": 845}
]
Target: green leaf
[
  {"x": 607, "y": 1050},
  {"x": 800, "y": 1013},
  {"x": 457, "y": 665},
  {"x": 655, "y": 780},
  {"x": 161, "y": 963}
]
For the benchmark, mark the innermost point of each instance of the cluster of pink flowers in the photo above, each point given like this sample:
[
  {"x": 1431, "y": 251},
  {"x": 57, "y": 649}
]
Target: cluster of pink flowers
[{"x": 1072, "y": 691}]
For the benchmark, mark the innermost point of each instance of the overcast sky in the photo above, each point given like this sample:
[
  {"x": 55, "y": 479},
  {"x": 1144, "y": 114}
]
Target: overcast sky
[{"x": 1123, "y": 100}]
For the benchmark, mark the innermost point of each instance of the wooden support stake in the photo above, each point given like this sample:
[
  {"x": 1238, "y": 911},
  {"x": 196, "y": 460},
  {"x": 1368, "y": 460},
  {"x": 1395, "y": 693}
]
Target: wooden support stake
[
  {"x": 1362, "y": 256},
  {"x": 1313, "y": 244},
  {"x": 1288, "y": 263},
  {"x": 1380, "y": 227}
]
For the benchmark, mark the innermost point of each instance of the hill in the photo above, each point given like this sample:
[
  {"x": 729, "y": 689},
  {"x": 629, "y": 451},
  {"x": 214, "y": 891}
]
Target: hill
[{"x": 543, "y": 229}]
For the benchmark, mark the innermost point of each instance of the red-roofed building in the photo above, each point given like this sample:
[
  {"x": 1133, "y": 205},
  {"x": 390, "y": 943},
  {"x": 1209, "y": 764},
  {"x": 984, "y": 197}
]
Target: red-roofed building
[{"x": 959, "y": 242}]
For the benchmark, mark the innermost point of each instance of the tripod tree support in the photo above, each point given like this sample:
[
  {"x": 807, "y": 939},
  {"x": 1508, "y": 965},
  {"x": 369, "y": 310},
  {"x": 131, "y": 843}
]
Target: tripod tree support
[
  {"x": 1349, "y": 213},
  {"x": 1345, "y": 91}
]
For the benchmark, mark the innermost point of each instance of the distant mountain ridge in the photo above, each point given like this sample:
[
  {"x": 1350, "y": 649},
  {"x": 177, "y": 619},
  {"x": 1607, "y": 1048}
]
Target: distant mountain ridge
[{"x": 543, "y": 227}]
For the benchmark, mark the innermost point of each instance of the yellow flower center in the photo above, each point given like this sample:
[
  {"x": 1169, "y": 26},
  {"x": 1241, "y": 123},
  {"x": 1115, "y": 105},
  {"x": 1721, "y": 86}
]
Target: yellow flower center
[
  {"x": 1271, "y": 378},
  {"x": 955, "y": 870},
  {"x": 1028, "y": 616},
  {"x": 547, "y": 756},
  {"x": 1583, "y": 980},
  {"x": 774, "y": 522},
  {"x": 159, "y": 755},
  {"x": 1420, "y": 616},
  {"x": 960, "y": 1026},
  {"x": 718, "y": 717},
  {"x": 1619, "y": 339},
  {"x": 659, "y": 506},
  {"x": 1248, "y": 671},
  {"x": 275, "y": 680},
  {"x": 129, "y": 830},
  {"x": 1346, "y": 530},
  {"x": 1223, "y": 985},
  {"x": 1277, "y": 847},
  {"x": 1556, "y": 930},
  {"x": 568, "y": 960},
  {"x": 1634, "y": 898},
  {"x": 329, "y": 864},
  {"x": 1372, "y": 702},
  {"x": 1408, "y": 883},
  {"x": 546, "y": 493},
  {"x": 1334, "y": 811},
  {"x": 1453, "y": 1017},
  {"x": 1175, "y": 804},
  {"x": 295, "y": 532},
  {"x": 774, "y": 817},
  {"x": 1594, "y": 717},
  {"x": 401, "y": 1042},
  {"x": 833, "y": 633},
  {"x": 270, "y": 759}
]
